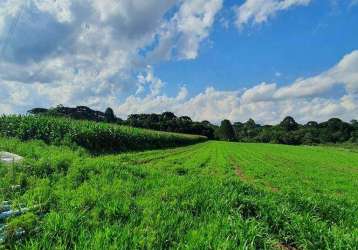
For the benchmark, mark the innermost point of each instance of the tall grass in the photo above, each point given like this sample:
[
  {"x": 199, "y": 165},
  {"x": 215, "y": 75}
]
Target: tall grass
[
  {"x": 96, "y": 137},
  {"x": 182, "y": 198}
]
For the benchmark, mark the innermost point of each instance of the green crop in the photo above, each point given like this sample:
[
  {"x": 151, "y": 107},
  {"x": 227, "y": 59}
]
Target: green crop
[
  {"x": 213, "y": 195},
  {"x": 96, "y": 137}
]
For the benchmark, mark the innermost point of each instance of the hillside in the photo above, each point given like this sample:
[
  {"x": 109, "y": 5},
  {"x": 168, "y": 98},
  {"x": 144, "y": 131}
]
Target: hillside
[
  {"x": 96, "y": 137},
  {"x": 216, "y": 195}
]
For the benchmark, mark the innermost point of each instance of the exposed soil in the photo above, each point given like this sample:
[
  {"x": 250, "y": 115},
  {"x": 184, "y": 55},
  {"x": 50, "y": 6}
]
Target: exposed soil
[
  {"x": 282, "y": 246},
  {"x": 243, "y": 177}
]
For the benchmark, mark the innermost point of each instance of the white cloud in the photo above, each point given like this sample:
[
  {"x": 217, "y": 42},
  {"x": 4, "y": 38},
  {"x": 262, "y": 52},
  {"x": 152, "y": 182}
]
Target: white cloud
[
  {"x": 188, "y": 28},
  {"x": 259, "y": 11},
  {"x": 60, "y": 9},
  {"x": 194, "y": 20},
  {"x": 77, "y": 53},
  {"x": 265, "y": 102},
  {"x": 344, "y": 73},
  {"x": 88, "y": 51},
  {"x": 353, "y": 3},
  {"x": 155, "y": 84},
  {"x": 261, "y": 92}
]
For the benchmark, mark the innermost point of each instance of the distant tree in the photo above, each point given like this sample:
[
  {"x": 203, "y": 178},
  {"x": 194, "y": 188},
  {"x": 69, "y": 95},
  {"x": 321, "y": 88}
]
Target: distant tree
[
  {"x": 311, "y": 124},
  {"x": 265, "y": 136},
  {"x": 226, "y": 131},
  {"x": 168, "y": 116},
  {"x": 206, "y": 123},
  {"x": 185, "y": 118},
  {"x": 250, "y": 124},
  {"x": 287, "y": 132},
  {"x": 310, "y": 138},
  {"x": 289, "y": 124},
  {"x": 251, "y": 130},
  {"x": 37, "y": 111},
  {"x": 168, "y": 121},
  {"x": 354, "y": 133},
  {"x": 109, "y": 115},
  {"x": 354, "y": 136},
  {"x": 335, "y": 131}
]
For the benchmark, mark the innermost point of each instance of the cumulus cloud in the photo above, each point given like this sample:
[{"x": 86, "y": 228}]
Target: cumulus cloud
[
  {"x": 344, "y": 73},
  {"x": 265, "y": 102},
  {"x": 182, "y": 35},
  {"x": 88, "y": 51},
  {"x": 259, "y": 11},
  {"x": 261, "y": 92}
]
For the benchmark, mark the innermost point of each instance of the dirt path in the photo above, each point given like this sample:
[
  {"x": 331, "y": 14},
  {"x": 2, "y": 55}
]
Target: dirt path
[{"x": 240, "y": 173}]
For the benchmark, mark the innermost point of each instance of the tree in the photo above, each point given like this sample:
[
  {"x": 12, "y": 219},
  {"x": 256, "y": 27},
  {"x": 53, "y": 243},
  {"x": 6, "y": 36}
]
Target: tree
[
  {"x": 109, "y": 115},
  {"x": 185, "y": 118},
  {"x": 37, "y": 111},
  {"x": 251, "y": 124},
  {"x": 311, "y": 124},
  {"x": 168, "y": 116},
  {"x": 289, "y": 124},
  {"x": 335, "y": 130},
  {"x": 206, "y": 123},
  {"x": 251, "y": 130},
  {"x": 226, "y": 131}
]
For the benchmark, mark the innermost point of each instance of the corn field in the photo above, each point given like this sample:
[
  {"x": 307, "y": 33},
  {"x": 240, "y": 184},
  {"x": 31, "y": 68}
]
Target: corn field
[{"x": 95, "y": 137}]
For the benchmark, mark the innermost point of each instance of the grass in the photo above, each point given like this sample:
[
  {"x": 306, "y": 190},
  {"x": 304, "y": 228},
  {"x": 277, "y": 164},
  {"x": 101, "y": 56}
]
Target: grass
[
  {"x": 213, "y": 195},
  {"x": 95, "y": 137}
]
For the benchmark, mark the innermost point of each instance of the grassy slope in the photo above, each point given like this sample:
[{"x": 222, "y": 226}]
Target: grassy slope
[{"x": 210, "y": 195}]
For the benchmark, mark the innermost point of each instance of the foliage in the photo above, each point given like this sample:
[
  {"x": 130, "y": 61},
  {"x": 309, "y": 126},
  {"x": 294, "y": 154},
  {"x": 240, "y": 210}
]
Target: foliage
[
  {"x": 166, "y": 121},
  {"x": 213, "y": 195},
  {"x": 109, "y": 115},
  {"x": 96, "y": 137},
  {"x": 291, "y": 133},
  {"x": 287, "y": 132},
  {"x": 79, "y": 113},
  {"x": 171, "y": 123},
  {"x": 226, "y": 131},
  {"x": 289, "y": 124}
]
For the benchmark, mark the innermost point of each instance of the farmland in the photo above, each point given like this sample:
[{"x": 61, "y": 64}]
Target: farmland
[
  {"x": 212, "y": 195},
  {"x": 93, "y": 136}
]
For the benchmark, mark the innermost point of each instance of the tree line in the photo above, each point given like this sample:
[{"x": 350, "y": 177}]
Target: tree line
[
  {"x": 286, "y": 132},
  {"x": 166, "y": 121},
  {"x": 290, "y": 132}
]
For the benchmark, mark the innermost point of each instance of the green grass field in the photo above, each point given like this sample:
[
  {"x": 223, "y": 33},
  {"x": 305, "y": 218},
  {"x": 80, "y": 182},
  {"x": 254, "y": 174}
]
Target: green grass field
[{"x": 213, "y": 195}]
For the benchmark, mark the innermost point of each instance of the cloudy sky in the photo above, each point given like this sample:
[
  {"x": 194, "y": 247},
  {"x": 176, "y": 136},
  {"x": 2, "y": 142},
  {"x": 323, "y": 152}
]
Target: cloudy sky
[{"x": 209, "y": 59}]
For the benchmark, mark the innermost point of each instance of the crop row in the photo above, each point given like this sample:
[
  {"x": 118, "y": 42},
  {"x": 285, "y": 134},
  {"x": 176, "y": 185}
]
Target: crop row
[{"x": 96, "y": 137}]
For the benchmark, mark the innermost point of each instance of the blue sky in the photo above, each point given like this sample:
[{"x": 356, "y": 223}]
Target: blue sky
[
  {"x": 301, "y": 42},
  {"x": 209, "y": 59}
]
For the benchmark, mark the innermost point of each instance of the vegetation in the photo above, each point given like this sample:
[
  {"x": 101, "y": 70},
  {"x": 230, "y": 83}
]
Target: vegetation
[
  {"x": 214, "y": 195},
  {"x": 96, "y": 137},
  {"x": 226, "y": 131},
  {"x": 109, "y": 116},
  {"x": 292, "y": 133},
  {"x": 170, "y": 122},
  {"x": 163, "y": 122},
  {"x": 79, "y": 113},
  {"x": 287, "y": 132}
]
